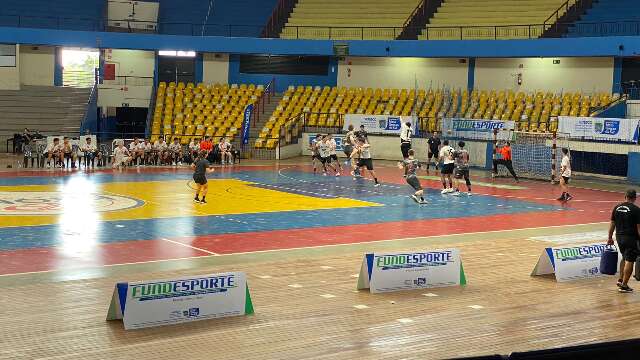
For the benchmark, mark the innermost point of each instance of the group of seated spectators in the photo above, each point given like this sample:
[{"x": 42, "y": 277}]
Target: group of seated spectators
[
  {"x": 142, "y": 152},
  {"x": 27, "y": 137},
  {"x": 65, "y": 155}
]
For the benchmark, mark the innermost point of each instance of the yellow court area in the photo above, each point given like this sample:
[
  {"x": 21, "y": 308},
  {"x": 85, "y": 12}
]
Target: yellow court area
[{"x": 88, "y": 201}]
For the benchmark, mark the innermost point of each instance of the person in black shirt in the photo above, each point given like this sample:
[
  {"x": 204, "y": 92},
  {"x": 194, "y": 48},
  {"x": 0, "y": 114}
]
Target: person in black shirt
[
  {"x": 434, "y": 149},
  {"x": 625, "y": 221},
  {"x": 201, "y": 167}
]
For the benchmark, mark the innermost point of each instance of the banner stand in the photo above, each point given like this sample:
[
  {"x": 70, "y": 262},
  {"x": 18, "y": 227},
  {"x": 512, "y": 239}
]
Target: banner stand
[
  {"x": 172, "y": 301},
  {"x": 570, "y": 263},
  {"x": 408, "y": 271}
]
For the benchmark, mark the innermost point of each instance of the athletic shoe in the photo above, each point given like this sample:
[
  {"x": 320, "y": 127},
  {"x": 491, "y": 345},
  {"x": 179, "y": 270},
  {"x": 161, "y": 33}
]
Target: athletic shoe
[
  {"x": 179, "y": 163},
  {"x": 48, "y": 166},
  {"x": 196, "y": 200},
  {"x": 469, "y": 193},
  {"x": 561, "y": 198},
  {"x": 203, "y": 201},
  {"x": 569, "y": 197},
  {"x": 415, "y": 198},
  {"x": 324, "y": 174},
  {"x": 625, "y": 289},
  {"x": 423, "y": 202},
  {"x": 338, "y": 173},
  {"x": 377, "y": 184},
  {"x": 619, "y": 283},
  {"x": 444, "y": 191}
]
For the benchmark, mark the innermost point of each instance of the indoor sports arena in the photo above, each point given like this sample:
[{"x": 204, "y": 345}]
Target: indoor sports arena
[{"x": 319, "y": 179}]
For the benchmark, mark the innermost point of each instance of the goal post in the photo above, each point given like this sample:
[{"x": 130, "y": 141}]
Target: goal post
[{"x": 535, "y": 155}]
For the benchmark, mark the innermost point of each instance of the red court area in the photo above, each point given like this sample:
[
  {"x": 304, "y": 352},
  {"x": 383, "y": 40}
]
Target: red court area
[{"x": 588, "y": 206}]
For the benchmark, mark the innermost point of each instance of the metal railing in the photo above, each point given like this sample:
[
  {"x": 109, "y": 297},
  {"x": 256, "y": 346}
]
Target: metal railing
[
  {"x": 523, "y": 31},
  {"x": 278, "y": 18}
]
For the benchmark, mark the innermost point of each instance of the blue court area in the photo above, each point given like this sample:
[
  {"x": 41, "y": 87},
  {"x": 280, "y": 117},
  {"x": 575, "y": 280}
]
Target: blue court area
[{"x": 388, "y": 203}]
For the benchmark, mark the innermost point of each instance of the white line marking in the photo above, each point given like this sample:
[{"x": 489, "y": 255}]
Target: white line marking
[
  {"x": 295, "y": 286},
  {"x": 404, "y": 321},
  {"x": 430, "y": 295},
  {"x": 360, "y": 307},
  {"x": 476, "y": 307},
  {"x": 264, "y": 276},
  {"x": 189, "y": 246},
  {"x": 328, "y": 296}
]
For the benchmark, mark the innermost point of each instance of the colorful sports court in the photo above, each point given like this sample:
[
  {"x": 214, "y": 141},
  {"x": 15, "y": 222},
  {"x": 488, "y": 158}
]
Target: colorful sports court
[{"x": 76, "y": 221}]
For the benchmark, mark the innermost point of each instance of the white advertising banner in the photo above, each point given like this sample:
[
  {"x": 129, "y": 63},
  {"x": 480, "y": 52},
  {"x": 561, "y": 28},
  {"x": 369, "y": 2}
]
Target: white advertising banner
[
  {"x": 570, "y": 263},
  {"x": 477, "y": 129},
  {"x": 378, "y": 124},
  {"x": 599, "y": 128},
  {"x": 172, "y": 301},
  {"x": 407, "y": 271}
]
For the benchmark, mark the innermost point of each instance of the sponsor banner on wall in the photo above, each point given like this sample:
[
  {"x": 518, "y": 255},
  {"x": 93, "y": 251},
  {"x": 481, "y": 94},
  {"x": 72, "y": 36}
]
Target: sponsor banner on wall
[
  {"x": 172, "y": 301},
  {"x": 571, "y": 262},
  {"x": 378, "y": 124},
  {"x": 599, "y": 128},
  {"x": 407, "y": 271},
  {"x": 477, "y": 129}
]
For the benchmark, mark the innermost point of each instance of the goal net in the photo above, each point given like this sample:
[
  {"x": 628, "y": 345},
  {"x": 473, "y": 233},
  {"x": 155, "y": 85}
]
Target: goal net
[{"x": 533, "y": 154}]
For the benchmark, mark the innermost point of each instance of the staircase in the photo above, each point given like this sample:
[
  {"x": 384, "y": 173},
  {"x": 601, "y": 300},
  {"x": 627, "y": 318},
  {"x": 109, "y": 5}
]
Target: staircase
[
  {"x": 419, "y": 19},
  {"x": 51, "y": 110},
  {"x": 269, "y": 108},
  {"x": 571, "y": 11}
]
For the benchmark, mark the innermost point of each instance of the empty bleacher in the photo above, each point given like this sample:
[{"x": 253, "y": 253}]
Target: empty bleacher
[
  {"x": 51, "y": 110},
  {"x": 490, "y": 19},
  {"x": 352, "y": 19},
  {"x": 609, "y": 18},
  {"x": 324, "y": 107},
  {"x": 59, "y": 14},
  {"x": 189, "y": 111}
]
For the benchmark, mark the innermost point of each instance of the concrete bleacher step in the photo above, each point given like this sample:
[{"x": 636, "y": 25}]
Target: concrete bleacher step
[
  {"x": 269, "y": 108},
  {"x": 52, "y": 110}
]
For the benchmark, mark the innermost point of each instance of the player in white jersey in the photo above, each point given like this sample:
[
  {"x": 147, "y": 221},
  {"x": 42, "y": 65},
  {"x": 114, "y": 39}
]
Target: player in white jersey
[
  {"x": 334, "y": 154},
  {"x": 565, "y": 175},
  {"x": 175, "y": 152},
  {"x": 446, "y": 158},
  {"x": 363, "y": 152},
  {"x": 324, "y": 150},
  {"x": 315, "y": 154},
  {"x": 121, "y": 155}
]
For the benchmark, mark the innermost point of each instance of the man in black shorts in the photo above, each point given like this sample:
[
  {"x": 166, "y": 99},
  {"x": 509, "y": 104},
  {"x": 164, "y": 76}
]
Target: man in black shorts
[
  {"x": 625, "y": 220},
  {"x": 434, "y": 149},
  {"x": 201, "y": 167},
  {"x": 364, "y": 159}
]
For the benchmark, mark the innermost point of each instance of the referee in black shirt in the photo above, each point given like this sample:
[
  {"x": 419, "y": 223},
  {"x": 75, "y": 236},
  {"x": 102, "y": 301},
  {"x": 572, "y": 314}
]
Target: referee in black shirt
[{"x": 625, "y": 221}]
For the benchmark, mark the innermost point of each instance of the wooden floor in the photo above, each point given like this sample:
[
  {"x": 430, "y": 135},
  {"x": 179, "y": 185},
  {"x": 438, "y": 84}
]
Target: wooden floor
[{"x": 502, "y": 309}]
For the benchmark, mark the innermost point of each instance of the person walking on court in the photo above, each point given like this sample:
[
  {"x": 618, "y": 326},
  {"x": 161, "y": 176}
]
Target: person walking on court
[
  {"x": 405, "y": 139},
  {"x": 201, "y": 168},
  {"x": 565, "y": 175},
  {"x": 506, "y": 161},
  {"x": 625, "y": 221}
]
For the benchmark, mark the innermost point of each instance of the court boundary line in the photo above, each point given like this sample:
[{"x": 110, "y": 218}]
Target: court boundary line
[
  {"x": 303, "y": 248},
  {"x": 189, "y": 246}
]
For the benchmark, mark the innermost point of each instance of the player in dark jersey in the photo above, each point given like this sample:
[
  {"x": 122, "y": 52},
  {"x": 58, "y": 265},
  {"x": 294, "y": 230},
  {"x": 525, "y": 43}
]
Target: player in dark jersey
[
  {"x": 462, "y": 168},
  {"x": 434, "y": 149},
  {"x": 201, "y": 167},
  {"x": 410, "y": 166},
  {"x": 625, "y": 221}
]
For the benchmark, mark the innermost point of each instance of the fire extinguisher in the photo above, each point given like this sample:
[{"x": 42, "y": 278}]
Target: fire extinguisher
[{"x": 519, "y": 79}]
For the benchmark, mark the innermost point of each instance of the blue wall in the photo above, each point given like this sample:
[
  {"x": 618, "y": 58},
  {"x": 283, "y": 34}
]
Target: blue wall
[
  {"x": 633, "y": 174},
  {"x": 247, "y": 17},
  {"x": 603, "y": 46},
  {"x": 282, "y": 81},
  {"x": 609, "y": 17},
  {"x": 54, "y": 14}
]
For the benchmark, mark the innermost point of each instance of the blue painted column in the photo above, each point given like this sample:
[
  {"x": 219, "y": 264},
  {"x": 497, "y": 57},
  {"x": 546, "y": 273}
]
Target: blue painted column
[
  {"x": 471, "y": 73},
  {"x": 633, "y": 171},
  {"x": 155, "y": 71},
  {"x": 199, "y": 68},
  {"x": 57, "y": 67},
  {"x": 617, "y": 75}
]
